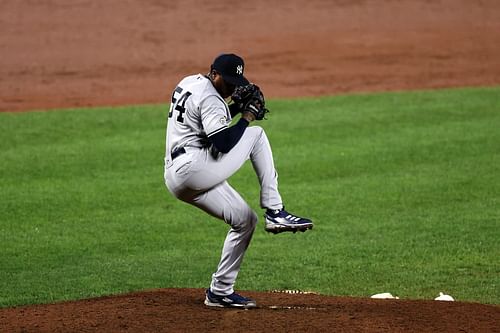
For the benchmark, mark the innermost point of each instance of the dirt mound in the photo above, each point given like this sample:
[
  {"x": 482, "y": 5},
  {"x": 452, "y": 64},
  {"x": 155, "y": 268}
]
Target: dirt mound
[{"x": 182, "y": 310}]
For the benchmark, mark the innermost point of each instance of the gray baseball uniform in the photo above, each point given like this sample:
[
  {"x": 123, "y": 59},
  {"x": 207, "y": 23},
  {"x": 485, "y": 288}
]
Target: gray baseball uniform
[{"x": 199, "y": 177}]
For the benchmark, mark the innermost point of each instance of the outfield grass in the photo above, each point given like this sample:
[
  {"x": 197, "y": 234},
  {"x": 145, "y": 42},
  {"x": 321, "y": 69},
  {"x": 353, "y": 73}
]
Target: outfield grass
[{"x": 404, "y": 189}]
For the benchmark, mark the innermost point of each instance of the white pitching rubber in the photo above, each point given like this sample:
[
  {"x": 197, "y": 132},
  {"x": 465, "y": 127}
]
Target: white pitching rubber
[{"x": 384, "y": 296}]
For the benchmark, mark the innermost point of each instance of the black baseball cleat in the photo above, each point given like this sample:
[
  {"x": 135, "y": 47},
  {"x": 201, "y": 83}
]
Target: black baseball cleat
[
  {"x": 230, "y": 301},
  {"x": 280, "y": 221}
]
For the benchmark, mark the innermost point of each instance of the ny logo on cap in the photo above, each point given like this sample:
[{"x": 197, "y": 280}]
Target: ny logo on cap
[{"x": 239, "y": 69}]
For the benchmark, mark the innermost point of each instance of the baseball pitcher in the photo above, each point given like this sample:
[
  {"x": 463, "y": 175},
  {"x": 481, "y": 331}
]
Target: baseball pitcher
[{"x": 203, "y": 150}]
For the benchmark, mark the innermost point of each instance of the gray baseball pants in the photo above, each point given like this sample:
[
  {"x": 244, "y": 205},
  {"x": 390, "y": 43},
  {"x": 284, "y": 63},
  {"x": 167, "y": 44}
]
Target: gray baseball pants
[{"x": 199, "y": 179}]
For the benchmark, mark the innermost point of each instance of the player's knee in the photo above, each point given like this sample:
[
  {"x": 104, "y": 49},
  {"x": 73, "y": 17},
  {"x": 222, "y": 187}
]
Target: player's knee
[
  {"x": 246, "y": 220},
  {"x": 251, "y": 222},
  {"x": 253, "y": 219}
]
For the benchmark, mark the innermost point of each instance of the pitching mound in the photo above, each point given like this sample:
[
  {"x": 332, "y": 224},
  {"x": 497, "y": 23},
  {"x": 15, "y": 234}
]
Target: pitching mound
[{"x": 182, "y": 310}]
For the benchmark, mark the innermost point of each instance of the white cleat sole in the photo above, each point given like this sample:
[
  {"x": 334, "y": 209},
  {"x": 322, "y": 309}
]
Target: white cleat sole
[{"x": 276, "y": 228}]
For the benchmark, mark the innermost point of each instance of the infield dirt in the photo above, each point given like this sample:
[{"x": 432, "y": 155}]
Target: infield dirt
[{"x": 57, "y": 53}]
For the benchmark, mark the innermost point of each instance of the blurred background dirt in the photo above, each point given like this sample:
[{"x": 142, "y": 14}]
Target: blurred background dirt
[{"x": 58, "y": 53}]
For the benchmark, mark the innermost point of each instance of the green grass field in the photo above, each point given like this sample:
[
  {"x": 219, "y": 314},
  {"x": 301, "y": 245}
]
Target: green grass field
[{"x": 404, "y": 189}]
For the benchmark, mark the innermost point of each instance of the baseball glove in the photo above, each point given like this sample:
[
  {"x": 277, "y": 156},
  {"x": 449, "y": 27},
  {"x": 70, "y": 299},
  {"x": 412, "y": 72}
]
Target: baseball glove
[{"x": 250, "y": 98}]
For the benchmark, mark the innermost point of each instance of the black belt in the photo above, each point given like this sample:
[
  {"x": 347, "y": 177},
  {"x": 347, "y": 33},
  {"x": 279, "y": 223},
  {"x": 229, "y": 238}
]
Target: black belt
[{"x": 178, "y": 152}]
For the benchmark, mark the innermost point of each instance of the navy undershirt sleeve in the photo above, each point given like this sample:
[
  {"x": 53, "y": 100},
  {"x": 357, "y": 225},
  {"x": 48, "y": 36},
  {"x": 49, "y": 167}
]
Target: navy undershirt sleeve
[
  {"x": 234, "y": 109},
  {"x": 225, "y": 140}
]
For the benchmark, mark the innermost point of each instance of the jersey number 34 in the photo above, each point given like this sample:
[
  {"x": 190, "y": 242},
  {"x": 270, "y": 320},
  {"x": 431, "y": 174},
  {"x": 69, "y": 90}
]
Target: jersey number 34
[{"x": 178, "y": 103}]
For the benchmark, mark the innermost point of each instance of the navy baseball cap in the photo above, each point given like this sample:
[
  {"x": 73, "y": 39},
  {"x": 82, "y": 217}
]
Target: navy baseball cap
[{"x": 231, "y": 67}]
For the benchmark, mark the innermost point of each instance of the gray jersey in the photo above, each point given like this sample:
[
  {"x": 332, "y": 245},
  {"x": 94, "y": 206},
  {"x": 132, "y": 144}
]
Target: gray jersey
[
  {"x": 197, "y": 111},
  {"x": 198, "y": 177}
]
